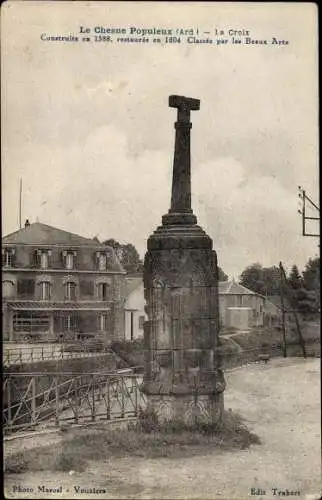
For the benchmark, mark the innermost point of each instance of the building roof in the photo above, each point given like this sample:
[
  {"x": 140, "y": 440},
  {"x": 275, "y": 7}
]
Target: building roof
[
  {"x": 38, "y": 233},
  {"x": 132, "y": 284},
  {"x": 233, "y": 288}
]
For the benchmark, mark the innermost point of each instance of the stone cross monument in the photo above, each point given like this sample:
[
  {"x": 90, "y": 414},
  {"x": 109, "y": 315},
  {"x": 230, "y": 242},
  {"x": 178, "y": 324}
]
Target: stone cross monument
[{"x": 182, "y": 377}]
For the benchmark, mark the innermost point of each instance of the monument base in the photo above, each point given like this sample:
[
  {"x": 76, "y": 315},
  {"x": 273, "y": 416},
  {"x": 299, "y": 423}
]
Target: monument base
[{"x": 205, "y": 409}]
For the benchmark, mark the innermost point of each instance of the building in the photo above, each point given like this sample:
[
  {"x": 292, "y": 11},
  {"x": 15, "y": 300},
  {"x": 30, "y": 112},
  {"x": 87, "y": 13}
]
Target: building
[
  {"x": 134, "y": 309},
  {"x": 239, "y": 307},
  {"x": 59, "y": 286}
]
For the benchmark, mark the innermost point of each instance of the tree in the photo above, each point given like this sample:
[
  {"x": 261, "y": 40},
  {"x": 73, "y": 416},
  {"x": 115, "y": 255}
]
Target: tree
[
  {"x": 311, "y": 274},
  {"x": 222, "y": 276},
  {"x": 272, "y": 280},
  {"x": 127, "y": 255},
  {"x": 311, "y": 281},
  {"x": 294, "y": 278},
  {"x": 262, "y": 280},
  {"x": 304, "y": 291}
]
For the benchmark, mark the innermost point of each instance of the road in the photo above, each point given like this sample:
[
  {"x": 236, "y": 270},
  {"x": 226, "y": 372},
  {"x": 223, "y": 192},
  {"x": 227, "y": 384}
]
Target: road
[{"x": 280, "y": 402}]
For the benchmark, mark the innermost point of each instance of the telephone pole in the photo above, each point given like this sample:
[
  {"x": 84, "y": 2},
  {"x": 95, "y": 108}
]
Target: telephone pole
[
  {"x": 297, "y": 323},
  {"x": 20, "y": 202},
  {"x": 307, "y": 203}
]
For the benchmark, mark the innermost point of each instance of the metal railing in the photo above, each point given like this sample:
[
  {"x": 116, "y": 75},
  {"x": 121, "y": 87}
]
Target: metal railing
[
  {"x": 21, "y": 355},
  {"x": 72, "y": 398}
]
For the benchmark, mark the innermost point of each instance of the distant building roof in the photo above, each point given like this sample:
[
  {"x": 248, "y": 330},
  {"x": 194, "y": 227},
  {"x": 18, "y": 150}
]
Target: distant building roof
[
  {"x": 233, "y": 288},
  {"x": 132, "y": 284},
  {"x": 42, "y": 234}
]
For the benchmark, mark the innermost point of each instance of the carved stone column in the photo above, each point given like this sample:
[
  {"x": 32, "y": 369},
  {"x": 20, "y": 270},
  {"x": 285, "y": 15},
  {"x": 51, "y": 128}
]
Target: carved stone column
[{"x": 182, "y": 378}]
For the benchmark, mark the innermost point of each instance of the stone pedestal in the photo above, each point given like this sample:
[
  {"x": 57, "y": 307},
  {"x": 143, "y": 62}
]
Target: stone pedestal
[
  {"x": 191, "y": 410},
  {"x": 182, "y": 379}
]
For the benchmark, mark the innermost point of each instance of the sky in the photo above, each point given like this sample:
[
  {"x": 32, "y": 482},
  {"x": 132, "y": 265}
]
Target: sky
[{"x": 88, "y": 128}]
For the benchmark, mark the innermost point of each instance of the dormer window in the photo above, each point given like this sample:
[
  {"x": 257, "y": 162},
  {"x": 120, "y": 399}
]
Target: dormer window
[
  {"x": 42, "y": 258},
  {"x": 69, "y": 259},
  {"x": 101, "y": 261},
  {"x": 7, "y": 257}
]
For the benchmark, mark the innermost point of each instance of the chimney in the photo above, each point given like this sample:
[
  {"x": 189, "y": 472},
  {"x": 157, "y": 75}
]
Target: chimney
[{"x": 27, "y": 223}]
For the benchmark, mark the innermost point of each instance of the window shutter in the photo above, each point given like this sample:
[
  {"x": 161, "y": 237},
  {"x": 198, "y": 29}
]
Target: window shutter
[
  {"x": 76, "y": 259},
  {"x": 36, "y": 259},
  {"x": 95, "y": 260},
  {"x": 49, "y": 258},
  {"x": 13, "y": 257}
]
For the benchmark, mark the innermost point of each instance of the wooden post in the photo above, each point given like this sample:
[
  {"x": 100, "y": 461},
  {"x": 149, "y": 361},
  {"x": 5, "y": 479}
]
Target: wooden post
[
  {"x": 108, "y": 410},
  {"x": 301, "y": 339},
  {"x": 9, "y": 402},
  {"x": 33, "y": 399},
  {"x": 135, "y": 395},
  {"x": 123, "y": 401},
  {"x": 93, "y": 400},
  {"x": 283, "y": 311},
  {"x": 57, "y": 400},
  {"x": 132, "y": 325}
]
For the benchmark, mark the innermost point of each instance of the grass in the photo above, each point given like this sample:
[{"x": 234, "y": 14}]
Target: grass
[{"x": 144, "y": 439}]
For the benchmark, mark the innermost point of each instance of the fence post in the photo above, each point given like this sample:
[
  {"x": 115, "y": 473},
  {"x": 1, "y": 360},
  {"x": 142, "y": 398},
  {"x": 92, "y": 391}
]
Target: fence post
[
  {"x": 9, "y": 402},
  {"x": 93, "y": 399},
  {"x": 78, "y": 398},
  {"x": 33, "y": 399},
  {"x": 20, "y": 355},
  {"x": 108, "y": 410},
  {"x": 57, "y": 401},
  {"x": 123, "y": 401},
  {"x": 42, "y": 353},
  {"x": 136, "y": 396}
]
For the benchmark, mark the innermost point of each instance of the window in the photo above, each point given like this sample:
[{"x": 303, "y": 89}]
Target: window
[
  {"x": 239, "y": 300},
  {"x": 8, "y": 289},
  {"x": 102, "y": 261},
  {"x": 70, "y": 290},
  {"x": 44, "y": 260},
  {"x": 141, "y": 322},
  {"x": 68, "y": 323},
  {"x": 31, "y": 322},
  {"x": 45, "y": 290},
  {"x": 103, "y": 322},
  {"x": 103, "y": 291},
  {"x": 69, "y": 262},
  {"x": 7, "y": 256}
]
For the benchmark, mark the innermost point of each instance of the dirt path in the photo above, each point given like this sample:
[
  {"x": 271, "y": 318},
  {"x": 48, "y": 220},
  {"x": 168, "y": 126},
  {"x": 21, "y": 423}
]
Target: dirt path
[{"x": 280, "y": 402}]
